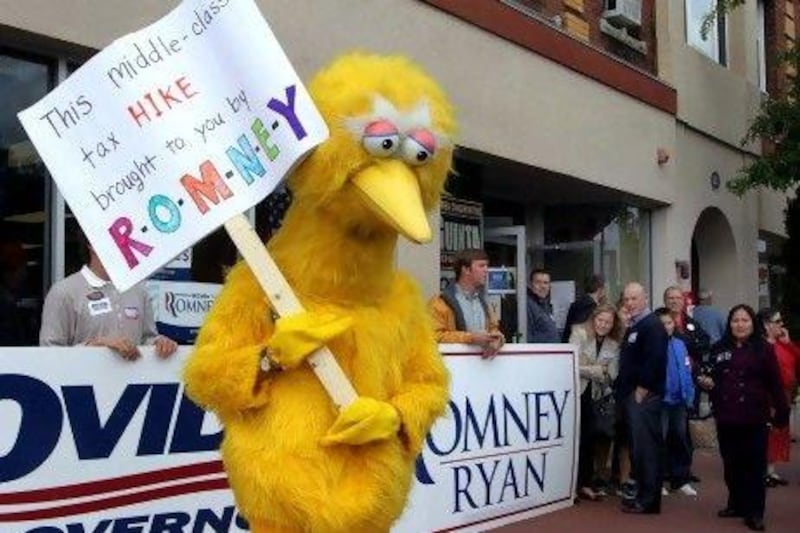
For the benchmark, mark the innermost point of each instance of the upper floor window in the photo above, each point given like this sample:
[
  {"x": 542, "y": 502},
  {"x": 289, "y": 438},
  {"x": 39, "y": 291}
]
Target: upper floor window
[
  {"x": 761, "y": 45},
  {"x": 714, "y": 45}
]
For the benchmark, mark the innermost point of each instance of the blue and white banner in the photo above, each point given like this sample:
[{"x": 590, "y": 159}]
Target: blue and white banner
[
  {"x": 90, "y": 442},
  {"x": 506, "y": 450},
  {"x": 181, "y": 307}
]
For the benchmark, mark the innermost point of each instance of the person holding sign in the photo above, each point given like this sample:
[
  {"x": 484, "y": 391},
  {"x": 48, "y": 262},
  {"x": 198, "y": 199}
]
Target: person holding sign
[
  {"x": 294, "y": 463},
  {"x": 85, "y": 308}
]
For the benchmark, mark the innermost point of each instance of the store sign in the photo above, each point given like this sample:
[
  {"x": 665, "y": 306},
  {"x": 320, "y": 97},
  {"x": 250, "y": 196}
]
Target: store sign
[
  {"x": 172, "y": 130},
  {"x": 461, "y": 227},
  {"x": 90, "y": 445}
]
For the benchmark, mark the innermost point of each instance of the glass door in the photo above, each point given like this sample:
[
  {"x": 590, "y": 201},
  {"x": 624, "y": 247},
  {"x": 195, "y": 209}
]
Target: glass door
[
  {"x": 24, "y": 247},
  {"x": 506, "y": 286}
]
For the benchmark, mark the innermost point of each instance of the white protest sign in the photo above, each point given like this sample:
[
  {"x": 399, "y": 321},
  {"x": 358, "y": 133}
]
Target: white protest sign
[{"x": 172, "y": 130}]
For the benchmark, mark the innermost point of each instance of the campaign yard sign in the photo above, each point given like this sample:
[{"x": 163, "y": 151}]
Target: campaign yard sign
[
  {"x": 89, "y": 444},
  {"x": 172, "y": 130},
  {"x": 181, "y": 307}
]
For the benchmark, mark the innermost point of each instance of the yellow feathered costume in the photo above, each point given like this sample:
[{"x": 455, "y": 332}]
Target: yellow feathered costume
[{"x": 294, "y": 462}]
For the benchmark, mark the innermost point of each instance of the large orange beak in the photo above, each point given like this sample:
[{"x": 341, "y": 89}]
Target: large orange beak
[{"x": 391, "y": 190}]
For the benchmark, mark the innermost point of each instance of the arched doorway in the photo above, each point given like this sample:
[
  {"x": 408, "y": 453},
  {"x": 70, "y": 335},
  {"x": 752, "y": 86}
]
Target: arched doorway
[{"x": 714, "y": 263}]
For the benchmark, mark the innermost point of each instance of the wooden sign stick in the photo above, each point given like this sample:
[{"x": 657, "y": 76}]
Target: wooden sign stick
[{"x": 284, "y": 302}]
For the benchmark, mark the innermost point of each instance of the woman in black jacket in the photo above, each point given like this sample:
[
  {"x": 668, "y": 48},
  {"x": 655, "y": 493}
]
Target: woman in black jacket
[{"x": 746, "y": 396}]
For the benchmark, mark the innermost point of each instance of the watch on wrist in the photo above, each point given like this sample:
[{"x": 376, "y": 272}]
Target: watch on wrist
[{"x": 267, "y": 363}]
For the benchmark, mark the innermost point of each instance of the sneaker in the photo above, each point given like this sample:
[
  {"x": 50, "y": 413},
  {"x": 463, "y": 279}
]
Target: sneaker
[
  {"x": 688, "y": 490},
  {"x": 627, "y": 490},
  {"x": 664, "y": 491}
]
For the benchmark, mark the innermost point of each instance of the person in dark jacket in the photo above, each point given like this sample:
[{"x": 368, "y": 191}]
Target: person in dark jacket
[
  {"x": 687, "y": 329},
  {"x": 745, "y": 382},
  {"x": 542, "y": 326},
  {"x": 640, "y": 385},
  {"x": 580, "y": 310}
]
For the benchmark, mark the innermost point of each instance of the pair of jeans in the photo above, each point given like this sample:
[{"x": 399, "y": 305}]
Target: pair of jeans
[
  {"x": 647, "y": 448},
  {"x": 675, "y": 429}
]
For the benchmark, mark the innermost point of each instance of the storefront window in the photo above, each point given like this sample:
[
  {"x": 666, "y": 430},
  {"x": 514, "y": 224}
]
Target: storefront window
[
  {"x": 613, "y": 241},
  {"x": 23, "y": 200}
]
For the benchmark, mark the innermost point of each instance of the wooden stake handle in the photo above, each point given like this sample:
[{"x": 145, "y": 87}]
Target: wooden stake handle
[{"x": 284, "y": 302}]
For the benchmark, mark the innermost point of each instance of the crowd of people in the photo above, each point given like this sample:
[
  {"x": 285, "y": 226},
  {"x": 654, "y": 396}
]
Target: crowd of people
[{"x": 643, "y": 373}]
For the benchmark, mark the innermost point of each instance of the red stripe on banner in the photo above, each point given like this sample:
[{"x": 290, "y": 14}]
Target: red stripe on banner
[
  {"x": 92, "y": 488},
  {"x": 116, "y": 501}
]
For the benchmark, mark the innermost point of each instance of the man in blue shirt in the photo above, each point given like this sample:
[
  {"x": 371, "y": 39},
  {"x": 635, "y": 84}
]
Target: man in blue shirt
[{"x": 710, "y": 318}]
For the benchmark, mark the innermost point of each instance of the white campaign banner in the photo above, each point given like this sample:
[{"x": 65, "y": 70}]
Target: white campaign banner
[
  {"x": 172, "y": 130},
  {"x": 93, "y": 443},
  {"x": 506, "y": 449}
]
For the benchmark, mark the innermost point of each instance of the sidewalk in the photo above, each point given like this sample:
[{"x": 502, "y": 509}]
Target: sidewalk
[{"x": 679, "y": 513}]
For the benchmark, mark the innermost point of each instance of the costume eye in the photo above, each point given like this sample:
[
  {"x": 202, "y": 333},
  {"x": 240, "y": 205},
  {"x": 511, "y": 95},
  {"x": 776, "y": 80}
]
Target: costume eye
[
  {"x": 418, "y": 147},
  {"x": 381, "y": 138}
]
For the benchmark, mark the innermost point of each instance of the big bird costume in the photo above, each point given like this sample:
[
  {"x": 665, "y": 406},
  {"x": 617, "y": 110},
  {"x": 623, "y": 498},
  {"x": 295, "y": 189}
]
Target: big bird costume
[{"x": 294, "y": 462}]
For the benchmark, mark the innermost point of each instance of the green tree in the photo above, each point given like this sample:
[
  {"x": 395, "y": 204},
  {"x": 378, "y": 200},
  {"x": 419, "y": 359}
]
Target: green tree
[
  {"x": 777, "y": 124},
  {"x": 791, "y": 260},
  {"x": 723, "y": 7}
]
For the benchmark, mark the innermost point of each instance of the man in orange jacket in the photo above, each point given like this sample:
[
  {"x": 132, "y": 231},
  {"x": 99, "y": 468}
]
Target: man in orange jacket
[{"x": 460, "y": 313}]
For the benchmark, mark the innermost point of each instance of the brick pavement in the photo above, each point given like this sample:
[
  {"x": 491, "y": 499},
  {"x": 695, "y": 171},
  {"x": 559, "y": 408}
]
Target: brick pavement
[{"x": 679, "y": 513}]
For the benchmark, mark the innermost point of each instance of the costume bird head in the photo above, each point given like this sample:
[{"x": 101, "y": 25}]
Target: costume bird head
[{"x": 389, "y": 151}]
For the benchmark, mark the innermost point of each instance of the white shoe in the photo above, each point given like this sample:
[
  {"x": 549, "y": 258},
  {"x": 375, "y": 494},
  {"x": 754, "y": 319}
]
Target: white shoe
[
  {"x": 688, "y": 490},
  {"x": 664, "y": 491}
]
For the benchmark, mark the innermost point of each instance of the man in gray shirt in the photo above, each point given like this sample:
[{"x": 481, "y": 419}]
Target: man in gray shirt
[
  {"x": 85, "y": 308},
  {"x": 710, "y": 318}
]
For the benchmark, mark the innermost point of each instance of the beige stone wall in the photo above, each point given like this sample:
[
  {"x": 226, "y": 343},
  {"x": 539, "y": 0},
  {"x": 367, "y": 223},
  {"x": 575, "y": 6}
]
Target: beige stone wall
[{"x": 517, "y": 105}]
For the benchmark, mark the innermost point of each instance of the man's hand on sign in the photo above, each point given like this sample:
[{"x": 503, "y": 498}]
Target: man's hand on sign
[
  {"x": 124, "y": 347},
  {"x": 496, "y": 341},
  {"x": 165, "y": 346},
  {"x": 489, "y": 343}
]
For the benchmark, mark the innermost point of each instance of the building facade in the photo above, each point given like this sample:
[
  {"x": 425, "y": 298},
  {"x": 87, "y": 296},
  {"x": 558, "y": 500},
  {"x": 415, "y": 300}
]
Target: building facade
[{"x": 595, "y": 136}]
